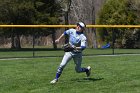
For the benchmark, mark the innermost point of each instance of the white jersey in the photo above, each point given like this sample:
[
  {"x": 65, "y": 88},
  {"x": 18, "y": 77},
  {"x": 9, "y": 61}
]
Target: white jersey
[{"x": 76, "y": 38}]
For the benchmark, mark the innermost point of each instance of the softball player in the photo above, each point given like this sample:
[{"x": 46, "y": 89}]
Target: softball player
[{"x": 78, "y": 41}]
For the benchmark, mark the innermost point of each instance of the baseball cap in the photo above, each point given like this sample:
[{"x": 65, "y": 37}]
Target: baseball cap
[{"x": 81, "y": 24}]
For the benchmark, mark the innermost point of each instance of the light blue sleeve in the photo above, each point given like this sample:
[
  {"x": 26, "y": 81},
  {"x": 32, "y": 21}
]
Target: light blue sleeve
[
  {"x": 83, "y": 42},
  {"x": 67, "y": 32}
]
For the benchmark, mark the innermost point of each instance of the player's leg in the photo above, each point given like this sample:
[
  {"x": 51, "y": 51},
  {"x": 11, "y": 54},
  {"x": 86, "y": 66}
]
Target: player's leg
[
  {"x": 78, "y": 60},
  {"x": 65, "y": 60},
  {"x": 62, "y": 65}
]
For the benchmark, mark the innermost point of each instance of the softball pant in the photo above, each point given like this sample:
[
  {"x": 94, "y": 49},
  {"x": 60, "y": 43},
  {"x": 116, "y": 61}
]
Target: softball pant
[{"x": 77, "y": 57}]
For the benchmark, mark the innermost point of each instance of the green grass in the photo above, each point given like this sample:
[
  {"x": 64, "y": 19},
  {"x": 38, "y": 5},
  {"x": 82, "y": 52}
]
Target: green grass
[{"x": 110, "y": 74}]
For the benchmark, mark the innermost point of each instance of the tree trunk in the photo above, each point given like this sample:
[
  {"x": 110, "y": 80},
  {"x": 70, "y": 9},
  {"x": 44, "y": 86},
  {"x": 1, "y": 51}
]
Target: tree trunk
[
  {"x": 66, "y": 23},
  {"x": 93, "y": 29},
  {"x": 53, "y": 39},
  {"x": 15, "y": 40},
  {"x": 12, "y": 42},
  {"x": 66, "y": 17},
  {"x": 18, "y": 46},
  {"x": 12, "y": 39}
]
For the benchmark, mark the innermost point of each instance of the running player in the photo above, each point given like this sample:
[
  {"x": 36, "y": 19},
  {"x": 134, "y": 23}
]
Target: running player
[{"x": 77, "y": 40}]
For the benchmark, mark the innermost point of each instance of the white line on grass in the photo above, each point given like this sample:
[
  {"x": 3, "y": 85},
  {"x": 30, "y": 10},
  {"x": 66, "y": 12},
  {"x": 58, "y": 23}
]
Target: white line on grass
[
  {"x": 13, "y": 58},
  {"x": 113, "y": 55}
]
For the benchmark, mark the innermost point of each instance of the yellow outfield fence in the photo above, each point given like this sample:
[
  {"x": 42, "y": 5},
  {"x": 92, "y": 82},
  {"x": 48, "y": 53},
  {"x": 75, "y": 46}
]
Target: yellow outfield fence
[{"x": 69, "y": 26}]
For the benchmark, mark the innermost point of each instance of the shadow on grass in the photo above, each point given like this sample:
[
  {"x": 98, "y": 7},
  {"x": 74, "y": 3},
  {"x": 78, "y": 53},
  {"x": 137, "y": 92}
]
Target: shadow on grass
[{"x": 87, "y": 79}]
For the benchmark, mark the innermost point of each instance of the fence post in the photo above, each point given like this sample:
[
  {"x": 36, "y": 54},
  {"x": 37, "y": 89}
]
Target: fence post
[
  {"x": 33, "y": 42},
  {"x": 113, "y": 40}
]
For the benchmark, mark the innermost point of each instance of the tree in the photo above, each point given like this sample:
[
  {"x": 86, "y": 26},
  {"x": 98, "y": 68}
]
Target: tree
[
  {"x": 16, "y": 12},
  {"x": 28, "y": 12},
  {"x": 47, "y": 12},
  {"x": 116, "y": 12}
]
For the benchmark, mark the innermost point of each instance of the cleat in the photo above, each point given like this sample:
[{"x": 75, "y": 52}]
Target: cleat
[
  {"x": 89, "y": 71},
  {"x": 54, "y": 81}
]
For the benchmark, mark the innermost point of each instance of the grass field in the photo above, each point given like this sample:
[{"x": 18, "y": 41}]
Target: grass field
[{"x": 110, "y": 74}]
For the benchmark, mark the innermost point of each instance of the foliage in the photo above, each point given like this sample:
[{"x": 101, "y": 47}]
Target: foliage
[
  {"x": 29, "y": 12},
  {"x": 117, "y": 12}
]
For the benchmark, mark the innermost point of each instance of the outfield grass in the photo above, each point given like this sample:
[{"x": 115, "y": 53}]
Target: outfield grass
[{"x": 110, "y": 74}]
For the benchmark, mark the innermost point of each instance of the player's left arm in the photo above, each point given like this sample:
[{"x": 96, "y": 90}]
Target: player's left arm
[{"x": 83, "y": 44}]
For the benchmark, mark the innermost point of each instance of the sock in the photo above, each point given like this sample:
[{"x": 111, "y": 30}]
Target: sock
[
  {"x": 57, "y": 75},
  {"x": 84, "y": 70}
]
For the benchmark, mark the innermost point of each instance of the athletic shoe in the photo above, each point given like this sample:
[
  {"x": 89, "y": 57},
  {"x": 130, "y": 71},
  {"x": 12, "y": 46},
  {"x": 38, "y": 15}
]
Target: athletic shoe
[
  {"x": 89, "y": 71},
  {"x": 54, "y": 81}
]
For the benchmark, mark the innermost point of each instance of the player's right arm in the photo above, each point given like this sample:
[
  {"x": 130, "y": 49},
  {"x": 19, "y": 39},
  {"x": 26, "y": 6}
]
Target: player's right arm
[
  {"x": 57, "y": 40},
  {"x": 67, "y": 32}
]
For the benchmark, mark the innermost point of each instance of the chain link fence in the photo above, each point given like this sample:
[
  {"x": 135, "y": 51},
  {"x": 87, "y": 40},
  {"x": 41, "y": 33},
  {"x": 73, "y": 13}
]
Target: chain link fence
[{"x": 27, "y": 46}]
